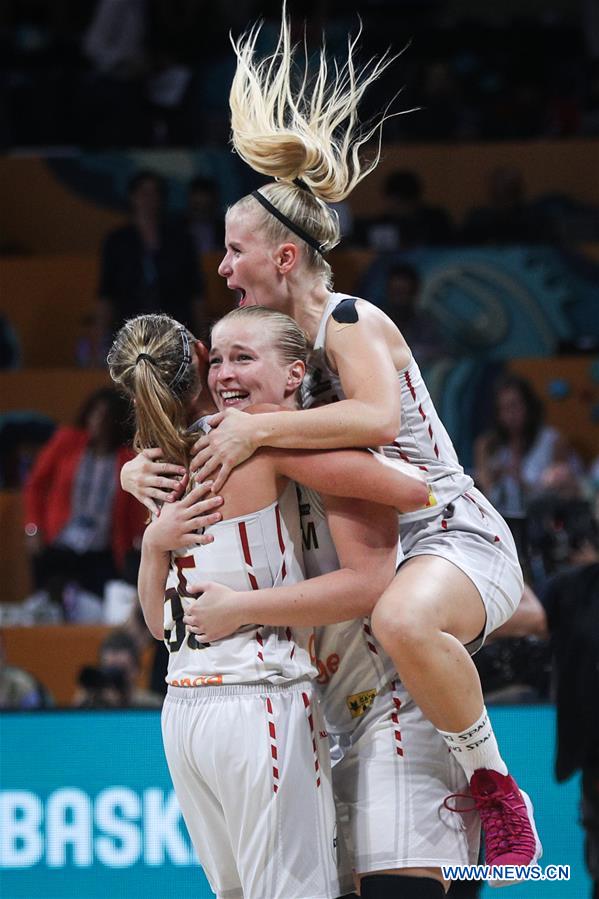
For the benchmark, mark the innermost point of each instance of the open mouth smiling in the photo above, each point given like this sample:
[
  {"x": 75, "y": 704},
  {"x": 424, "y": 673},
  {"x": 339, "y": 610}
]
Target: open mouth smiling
[{"x": 233, "y": 397}]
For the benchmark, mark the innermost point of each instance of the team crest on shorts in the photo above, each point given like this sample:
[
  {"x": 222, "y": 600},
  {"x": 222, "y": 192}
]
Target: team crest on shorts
[
  {"x": 432, "y": 499},
  {"x": 359, "y": 703}
]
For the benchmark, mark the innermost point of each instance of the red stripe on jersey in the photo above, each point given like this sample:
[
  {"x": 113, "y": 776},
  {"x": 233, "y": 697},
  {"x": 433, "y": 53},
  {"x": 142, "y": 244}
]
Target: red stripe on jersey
[
  {"x": 281, "y": 541},
  {"x": 408, "y": 381},
  {"x": 371, "y": 646},
  {"x": 246, "y": 553},
  {"x": 404, "y": 456},
  {"x": 279, "y": 531},
  {"x": 260, "y": 643}
]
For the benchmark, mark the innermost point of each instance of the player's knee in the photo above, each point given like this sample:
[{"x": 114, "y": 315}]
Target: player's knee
[{"x": 396, "y": 625}]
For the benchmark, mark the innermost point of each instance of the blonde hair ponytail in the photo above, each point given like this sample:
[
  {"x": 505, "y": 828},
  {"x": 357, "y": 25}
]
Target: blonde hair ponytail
[
  {"x": 310, "y": 133},
  {"x": 150, "y": 360}
]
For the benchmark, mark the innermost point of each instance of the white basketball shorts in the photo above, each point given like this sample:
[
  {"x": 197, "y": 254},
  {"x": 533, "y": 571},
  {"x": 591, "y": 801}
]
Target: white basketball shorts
[
  {"x": 470, "y": 533},
  {"x": 251, "y": 769},
  {"x": 391, "y": 777}
]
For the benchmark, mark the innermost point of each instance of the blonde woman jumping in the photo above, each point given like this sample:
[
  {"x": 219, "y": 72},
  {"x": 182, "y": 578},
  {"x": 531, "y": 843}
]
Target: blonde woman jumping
[{"x": 460, "y": 578}]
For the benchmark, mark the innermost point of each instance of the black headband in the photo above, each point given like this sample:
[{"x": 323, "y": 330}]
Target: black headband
[{"x": 297, "y": 229}]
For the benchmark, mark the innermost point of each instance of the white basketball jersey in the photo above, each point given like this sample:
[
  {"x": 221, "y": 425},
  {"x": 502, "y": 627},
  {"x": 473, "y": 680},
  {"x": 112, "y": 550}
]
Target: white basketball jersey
[
  {"x": 352, "y": 666},
  {"x": 250, "y": 552},
  {"x": 422, "y": 439}
]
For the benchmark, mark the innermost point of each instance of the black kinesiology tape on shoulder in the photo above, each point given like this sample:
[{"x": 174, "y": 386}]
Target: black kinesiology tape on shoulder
[{"x": 345, "y": 312}]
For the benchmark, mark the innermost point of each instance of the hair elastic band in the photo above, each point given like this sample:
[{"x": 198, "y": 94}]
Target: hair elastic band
[
  {"x": 186, "y": 357},
  {"x": 297, "y": 229},
  {"x": 299, "y": 182},
  {"x": 145, "y": 356}
]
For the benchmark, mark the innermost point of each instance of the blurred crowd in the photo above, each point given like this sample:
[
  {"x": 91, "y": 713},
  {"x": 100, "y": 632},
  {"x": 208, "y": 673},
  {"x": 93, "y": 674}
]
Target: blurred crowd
[{"x": 119, "y": 73}]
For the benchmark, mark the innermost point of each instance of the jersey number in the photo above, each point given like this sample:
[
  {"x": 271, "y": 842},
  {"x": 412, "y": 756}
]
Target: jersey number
[{"x": 174, "y": 637}]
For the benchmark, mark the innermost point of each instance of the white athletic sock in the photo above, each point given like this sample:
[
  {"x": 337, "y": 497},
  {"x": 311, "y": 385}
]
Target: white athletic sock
[{"x": 476, "y": 747}]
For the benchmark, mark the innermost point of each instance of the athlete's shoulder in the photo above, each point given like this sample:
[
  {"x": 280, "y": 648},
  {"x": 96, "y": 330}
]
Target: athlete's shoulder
[
  {"x": 355, "y": 311},
  {"x": 346, "y": 311}
]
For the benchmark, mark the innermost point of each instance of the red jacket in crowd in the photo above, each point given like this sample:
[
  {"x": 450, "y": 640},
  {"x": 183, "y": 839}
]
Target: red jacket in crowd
[{"x": 49, "y": 489}]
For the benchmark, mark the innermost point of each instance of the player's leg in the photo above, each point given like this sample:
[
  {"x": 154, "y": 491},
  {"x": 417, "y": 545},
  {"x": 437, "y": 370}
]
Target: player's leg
[
  {"x": 423, "y": 621},
  {"x": 278, "y": 797},
  {"x": 393, "y": 777},
  {"x": 182, "y": 720},
  {"x": 462, "y": 580}
]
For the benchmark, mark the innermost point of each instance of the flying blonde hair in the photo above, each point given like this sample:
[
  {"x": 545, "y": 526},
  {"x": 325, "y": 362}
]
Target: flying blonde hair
[{"x": 310, "y": 132}]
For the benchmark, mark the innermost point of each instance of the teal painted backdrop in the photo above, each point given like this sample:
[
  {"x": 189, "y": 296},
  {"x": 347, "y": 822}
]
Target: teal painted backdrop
[{"x": 87, "y": 810}]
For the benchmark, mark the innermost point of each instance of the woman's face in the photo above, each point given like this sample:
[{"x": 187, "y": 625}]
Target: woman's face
[
  {"x": 98, "y": 423},
  {"x": 245, "y": 367},
  {"x": 511, "y": 410},
  {"x": 249, "y": 263}
]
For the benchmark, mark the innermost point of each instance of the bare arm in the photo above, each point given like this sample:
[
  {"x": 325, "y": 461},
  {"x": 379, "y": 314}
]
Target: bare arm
[
  {"x": 363, "y": 475},
  {"x": 151, "y": 583},
  {"x": 365, "y": 536},
  {"x": 370, "y": 415},
  {"x": 529, "y": 619}
]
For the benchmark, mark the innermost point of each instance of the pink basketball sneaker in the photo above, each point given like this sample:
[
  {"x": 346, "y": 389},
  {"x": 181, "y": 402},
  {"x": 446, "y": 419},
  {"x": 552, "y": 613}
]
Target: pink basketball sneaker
[{"x": 507, "y": 820}]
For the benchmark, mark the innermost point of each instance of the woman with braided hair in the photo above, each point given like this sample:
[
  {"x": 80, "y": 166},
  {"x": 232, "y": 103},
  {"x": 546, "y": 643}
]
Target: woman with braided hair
[{"x": 460, "y": 578}]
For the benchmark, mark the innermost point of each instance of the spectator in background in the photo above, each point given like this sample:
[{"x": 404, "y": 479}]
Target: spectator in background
[
  {"x": 402, "y": 297},
  {"x": 10, "y": 350},
  {"x": 18, "y": 688},
  {"x": 79, "y": 524},
  {"x": 113, "y": 683},
  {"x": 407, "y": 220},
  {"x": 149, "y": 265},
  {"x": 113, "y": 109},
  {"x": 514, "y": 456},
  {"x": 204, "y": 216},
  {"x": 571, "y": 601},
  {"x": 507, "y": 217}
]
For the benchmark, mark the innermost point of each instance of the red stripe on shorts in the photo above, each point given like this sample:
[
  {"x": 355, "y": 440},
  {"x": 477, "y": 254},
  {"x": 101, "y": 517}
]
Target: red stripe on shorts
[
  {"x": 310, "y": 717},
  {"x": 395, "y": 718},
  {"x": 272, "y": 733}
]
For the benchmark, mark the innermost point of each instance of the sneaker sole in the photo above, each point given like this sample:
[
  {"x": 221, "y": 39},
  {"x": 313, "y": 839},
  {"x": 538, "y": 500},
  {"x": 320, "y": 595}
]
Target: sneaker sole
[{"x": 538, "y": 845}]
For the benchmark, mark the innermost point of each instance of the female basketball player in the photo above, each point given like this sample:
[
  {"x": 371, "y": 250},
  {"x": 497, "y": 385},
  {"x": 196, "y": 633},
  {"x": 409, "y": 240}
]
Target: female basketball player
[
  {"x": 392, "y": 770},
  {"x": 242, "y": 799},
  {"x": 461, "y": 578}
]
